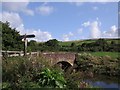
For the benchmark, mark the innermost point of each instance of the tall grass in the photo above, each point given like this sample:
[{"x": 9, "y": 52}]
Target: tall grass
[
  {"x": 36, "y": 72},
  {"x": 20, "y": 71},
  {"x": 100, "y": 65}
]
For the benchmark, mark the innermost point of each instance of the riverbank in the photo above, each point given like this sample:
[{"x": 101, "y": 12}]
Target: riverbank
[{"x": 102, "y": 65}]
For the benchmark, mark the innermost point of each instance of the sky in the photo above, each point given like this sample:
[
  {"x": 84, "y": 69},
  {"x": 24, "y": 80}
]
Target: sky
[{"x": 64, "y": 21}]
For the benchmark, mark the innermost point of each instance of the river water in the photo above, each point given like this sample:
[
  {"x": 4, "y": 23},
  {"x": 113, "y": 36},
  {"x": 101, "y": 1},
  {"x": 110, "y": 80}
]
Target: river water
[{"x": 104, "y": 81}]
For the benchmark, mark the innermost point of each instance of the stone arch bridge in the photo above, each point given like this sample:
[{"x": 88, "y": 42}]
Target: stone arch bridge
[
  {"x": 65, "y": 60},
  {"x": 56, "y": 58}
]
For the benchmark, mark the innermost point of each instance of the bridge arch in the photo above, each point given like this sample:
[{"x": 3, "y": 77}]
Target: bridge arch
[{"x": 64, "y": 65}]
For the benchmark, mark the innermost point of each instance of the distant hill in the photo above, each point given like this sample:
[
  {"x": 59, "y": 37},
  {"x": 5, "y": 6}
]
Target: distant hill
[{"x": 79, "y": 42}]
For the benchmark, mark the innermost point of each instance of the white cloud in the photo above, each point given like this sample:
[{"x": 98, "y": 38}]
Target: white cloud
[
  {"x": 95, "y": 8},
  {"x": 113, "y": 32},
  {"x": 70, "y": 34},
  {"x": 29, "y": 12},
  {"x": 101, "y": 1},
  {"x": 76, "y": 3},
  {"x": 114, "y": 29},
  {"x": 45, "y": 3},
  {"x": 107, "y": 0},
  {"x": 86, "y": 24},
  {"x": 15, "y": 0},
  {"x": 66, "y": 37},
  {"x": 80, "y": 30},
  {"x": 21, "y": 29},
  {"x": 16, "y": 22},
  {"x": 17, "y": 7},
  {"x": 62, "y": 0},
  {"x": 40, "y": 36},
  {"x": 95, "y": 31},
  {"x": 45, "y": 10},
  {"x": 13, "y": 18}
]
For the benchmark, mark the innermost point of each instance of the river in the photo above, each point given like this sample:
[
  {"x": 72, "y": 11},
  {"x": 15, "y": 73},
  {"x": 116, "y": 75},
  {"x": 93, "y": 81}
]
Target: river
[{"x": 103, "y": 81}]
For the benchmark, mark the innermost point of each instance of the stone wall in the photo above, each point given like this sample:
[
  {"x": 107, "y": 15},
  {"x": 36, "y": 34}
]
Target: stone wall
[{"x": 56, "y": 57}]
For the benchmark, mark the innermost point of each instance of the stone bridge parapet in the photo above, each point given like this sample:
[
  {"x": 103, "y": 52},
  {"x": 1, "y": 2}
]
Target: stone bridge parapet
[{"x": 57, "y": 57}]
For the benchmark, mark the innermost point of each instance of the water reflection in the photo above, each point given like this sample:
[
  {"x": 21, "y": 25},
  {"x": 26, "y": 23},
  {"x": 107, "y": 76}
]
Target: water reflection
[
  {"x": 103, "y": 81},
  {"x": 103, "y": 84}
]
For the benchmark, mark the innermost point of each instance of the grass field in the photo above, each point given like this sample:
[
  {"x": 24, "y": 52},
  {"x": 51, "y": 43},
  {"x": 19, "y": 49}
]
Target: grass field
[
  {"x": 79, "y": 42},
  {"x": 111, "y": 54}
]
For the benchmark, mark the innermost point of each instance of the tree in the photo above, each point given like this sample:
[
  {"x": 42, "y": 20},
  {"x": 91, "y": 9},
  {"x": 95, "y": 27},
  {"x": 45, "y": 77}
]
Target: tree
[
  {"x": 73, "y": 47},
  {"x": 79, "y": 48},
  {"x": 10, "y": 38},
  {"x": 32, "y": 45},
  {"x": 73, "y": 44},
  {"x": 52, "y": 44},
  {"x": 101, "y": 44}
]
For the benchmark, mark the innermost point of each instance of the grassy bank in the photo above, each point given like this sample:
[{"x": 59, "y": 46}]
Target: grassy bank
[
  {"x": 104, "y": 64},
  {"x": 99, "y": 54}
]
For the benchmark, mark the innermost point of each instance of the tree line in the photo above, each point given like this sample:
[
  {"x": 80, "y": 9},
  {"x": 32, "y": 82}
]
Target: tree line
[
  {"x": 53, "y": 45},
  {"x": 11, "y": 41}
]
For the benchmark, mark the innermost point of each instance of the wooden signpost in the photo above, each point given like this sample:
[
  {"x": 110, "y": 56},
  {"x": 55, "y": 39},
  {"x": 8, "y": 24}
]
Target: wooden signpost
[{"x": 25, "y": 41}]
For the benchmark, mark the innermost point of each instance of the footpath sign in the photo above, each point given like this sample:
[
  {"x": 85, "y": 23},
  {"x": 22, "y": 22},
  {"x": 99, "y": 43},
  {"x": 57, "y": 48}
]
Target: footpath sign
[{"x": 24, "y": 37}]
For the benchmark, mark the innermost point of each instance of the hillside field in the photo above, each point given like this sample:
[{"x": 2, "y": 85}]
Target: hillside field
[
  {"x": 111, "y": 54},
  {"x": 80, "y": 42}
]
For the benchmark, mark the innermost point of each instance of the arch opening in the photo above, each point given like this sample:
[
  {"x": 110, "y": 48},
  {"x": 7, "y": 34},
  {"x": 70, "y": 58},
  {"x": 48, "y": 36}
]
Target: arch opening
[{"x": 64, "y": 65}]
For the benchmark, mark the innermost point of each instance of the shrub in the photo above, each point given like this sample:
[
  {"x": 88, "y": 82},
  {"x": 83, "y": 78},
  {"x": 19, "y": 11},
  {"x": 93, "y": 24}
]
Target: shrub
[
  {"x": 84, "y": 61},
  {"x": 35, "y": 72},
  {"x": 51, "y": 78},
  {"x": 101, "y": 65},
  {"x": 20, "y": 71}
]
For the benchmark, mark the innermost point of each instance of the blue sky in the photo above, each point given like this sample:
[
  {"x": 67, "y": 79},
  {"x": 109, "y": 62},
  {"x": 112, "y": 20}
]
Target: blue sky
[{"x": 64, "y": 21}]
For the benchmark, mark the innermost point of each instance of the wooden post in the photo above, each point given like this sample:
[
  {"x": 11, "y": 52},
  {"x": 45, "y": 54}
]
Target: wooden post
[
  {"x": 25, "y": 47},
  {"x": 25, "y": 42}
]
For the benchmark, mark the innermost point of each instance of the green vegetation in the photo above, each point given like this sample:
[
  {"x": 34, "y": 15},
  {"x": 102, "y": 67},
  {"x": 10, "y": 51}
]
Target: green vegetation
[
  {"x": 10, "y": 38},
  {"x": 51, "y": 78},
  {"x": 79, "y": 42},
  {"x": 111, "y": 54},
  {"x": 37, "y": 72},
  {"x": 100, "y": 45},
  {"x": 100, "y": 65}
]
